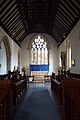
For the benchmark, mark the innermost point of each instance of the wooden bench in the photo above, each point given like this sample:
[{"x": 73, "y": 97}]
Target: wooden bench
[
  {"x": 68, "y": 92},
  {"x": 4, "y": 100},
  {"x": 71, "y": 99},
  {"x": 56, "y": 87},
  {"x": 18, "y": 89}
]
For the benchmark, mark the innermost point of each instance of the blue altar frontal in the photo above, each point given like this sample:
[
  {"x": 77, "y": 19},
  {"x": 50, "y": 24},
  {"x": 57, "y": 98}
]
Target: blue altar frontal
[{"x": 39, "y": 67}]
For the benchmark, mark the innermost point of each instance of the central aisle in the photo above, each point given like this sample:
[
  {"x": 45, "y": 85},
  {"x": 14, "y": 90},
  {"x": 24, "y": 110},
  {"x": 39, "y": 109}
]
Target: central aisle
[{"x": 37, "y": 105}]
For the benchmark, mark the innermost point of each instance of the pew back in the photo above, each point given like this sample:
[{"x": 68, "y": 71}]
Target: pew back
[
  {"x": 4, "y": 100},
  {"x": 68, "y": 93},
  {"x": 71, "y": 99}
]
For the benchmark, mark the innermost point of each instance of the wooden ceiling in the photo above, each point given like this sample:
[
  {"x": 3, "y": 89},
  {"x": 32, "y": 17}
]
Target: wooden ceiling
[{"x": 54, "y": 17}]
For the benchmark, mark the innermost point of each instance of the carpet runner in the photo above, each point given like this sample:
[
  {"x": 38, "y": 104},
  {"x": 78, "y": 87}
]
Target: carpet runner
[{"x": 37, "y": 105}]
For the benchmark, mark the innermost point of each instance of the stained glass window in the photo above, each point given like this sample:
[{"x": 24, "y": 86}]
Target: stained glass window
[{"x": 39, "y": 51}]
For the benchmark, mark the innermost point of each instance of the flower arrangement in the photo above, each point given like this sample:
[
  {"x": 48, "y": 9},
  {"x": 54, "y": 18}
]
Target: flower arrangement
[{"x": 23, "y": 69}]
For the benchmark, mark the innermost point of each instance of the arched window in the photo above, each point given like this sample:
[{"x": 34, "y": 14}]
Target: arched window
[
  {"x": 60, "y": 64},
  {"x": 39, "y": 51},
  {"x": 69, "y": 56}
]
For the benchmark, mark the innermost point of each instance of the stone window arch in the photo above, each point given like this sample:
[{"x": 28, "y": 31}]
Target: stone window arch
[{"x": 39, "y": 50}]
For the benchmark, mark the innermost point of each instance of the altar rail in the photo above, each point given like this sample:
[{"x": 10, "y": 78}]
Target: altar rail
[{"x": 39, "y": 74}]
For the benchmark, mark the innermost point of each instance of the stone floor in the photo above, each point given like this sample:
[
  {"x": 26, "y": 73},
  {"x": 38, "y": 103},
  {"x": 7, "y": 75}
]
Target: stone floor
[
  {"x": 37, "y": 84},
  {"x": 31, "y": 85},
  {"x": 47, "y": 84}
]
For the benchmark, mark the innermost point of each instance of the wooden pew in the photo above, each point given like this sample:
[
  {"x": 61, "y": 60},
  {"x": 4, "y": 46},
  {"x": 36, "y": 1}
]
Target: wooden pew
[
  {"x": 11, "y": 91},
  {"x": 71, "y": 99},
  {"x": 18, "y": 86},
  {"x": 4, "y": 100},
  {"x": 18, "y": 89},
  {"x": 4, "y": 76},
  {"x": 56, "y": 87},
  {"x": 68, "y": 93}
]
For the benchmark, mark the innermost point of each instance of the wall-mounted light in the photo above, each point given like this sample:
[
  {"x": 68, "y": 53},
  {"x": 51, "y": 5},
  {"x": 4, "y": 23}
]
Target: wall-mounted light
[{"x": 73, "y": 62}]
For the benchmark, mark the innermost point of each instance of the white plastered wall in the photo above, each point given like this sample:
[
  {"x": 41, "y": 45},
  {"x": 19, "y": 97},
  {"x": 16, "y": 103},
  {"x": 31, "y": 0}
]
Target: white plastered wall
[
  {"x": 14, "y": 53},
  {"x": 74, "y": 38},
  {"x": 53, "y": 53}
]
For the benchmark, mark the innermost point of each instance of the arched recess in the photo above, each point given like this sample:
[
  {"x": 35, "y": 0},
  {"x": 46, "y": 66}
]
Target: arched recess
[{"x": 8, "y": 52}]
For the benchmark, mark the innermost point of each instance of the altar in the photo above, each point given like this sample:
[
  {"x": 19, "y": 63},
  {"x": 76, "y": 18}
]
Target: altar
[
  {"x": 44, "y": 67},
  {"x": 39, "y": 71}
]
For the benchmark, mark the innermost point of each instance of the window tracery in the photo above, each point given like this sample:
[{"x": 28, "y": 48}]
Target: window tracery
[{"x": 39, "y": 51}]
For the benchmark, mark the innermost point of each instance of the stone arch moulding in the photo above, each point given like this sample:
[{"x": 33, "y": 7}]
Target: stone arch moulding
[
  {"x": 6, "y": 43},
  {"x": 42, "y": 35}
]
